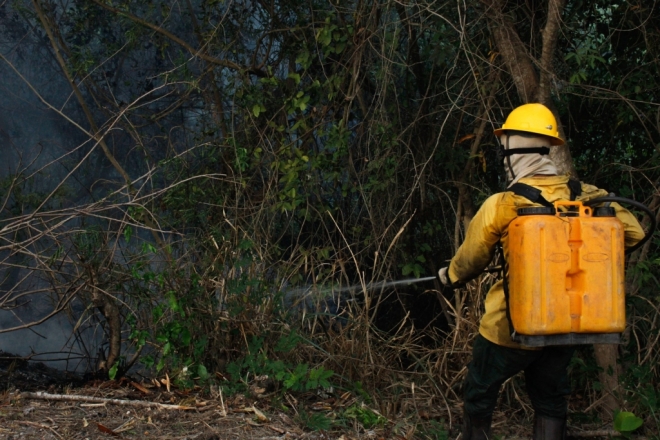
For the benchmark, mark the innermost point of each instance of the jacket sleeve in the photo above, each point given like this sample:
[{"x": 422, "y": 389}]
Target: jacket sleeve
[
  {"x": 632, "y": 230},
  {"x": 481, "y": 239}
]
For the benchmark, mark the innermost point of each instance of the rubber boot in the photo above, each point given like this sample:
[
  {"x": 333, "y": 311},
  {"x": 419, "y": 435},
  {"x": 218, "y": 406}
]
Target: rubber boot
[
  {"x": 475, "y": 428},
  {"x": 549, "y": 428}
]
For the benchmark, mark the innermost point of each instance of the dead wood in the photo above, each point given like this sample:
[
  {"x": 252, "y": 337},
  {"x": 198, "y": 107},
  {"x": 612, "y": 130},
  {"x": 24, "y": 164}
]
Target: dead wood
[{"x": 78, "y": 398}]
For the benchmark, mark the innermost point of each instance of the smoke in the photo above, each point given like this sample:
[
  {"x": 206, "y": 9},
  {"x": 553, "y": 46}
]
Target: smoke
[{"x": 38, "y": 148}]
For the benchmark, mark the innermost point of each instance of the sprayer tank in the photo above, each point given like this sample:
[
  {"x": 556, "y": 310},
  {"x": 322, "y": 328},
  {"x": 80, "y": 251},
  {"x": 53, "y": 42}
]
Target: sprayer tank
[{"x": 566, "y": 272}]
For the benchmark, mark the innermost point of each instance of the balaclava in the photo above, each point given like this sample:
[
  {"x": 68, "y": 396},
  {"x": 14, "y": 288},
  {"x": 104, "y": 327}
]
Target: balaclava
[{"x": 527, "y": 164}]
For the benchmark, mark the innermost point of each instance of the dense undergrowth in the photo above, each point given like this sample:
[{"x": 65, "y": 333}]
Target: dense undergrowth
[{"x": 245, "y": 171}]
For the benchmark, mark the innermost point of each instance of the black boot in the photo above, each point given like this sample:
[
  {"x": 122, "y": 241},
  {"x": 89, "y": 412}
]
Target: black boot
[
  {"x": 475, "y": 428},
  {"x": 549, "y": 428}
]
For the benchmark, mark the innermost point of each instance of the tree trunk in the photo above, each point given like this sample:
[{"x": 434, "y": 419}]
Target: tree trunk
[
  {"x": 466, "y": 205},
  {"x": 521, "y": 65},
  {"x": 606, "y": 357},
  {"x": 109, "y": 309}
]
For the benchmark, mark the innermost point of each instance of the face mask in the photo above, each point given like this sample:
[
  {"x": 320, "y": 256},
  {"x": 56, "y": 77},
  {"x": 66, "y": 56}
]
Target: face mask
[{"x": 525, "y": 155}]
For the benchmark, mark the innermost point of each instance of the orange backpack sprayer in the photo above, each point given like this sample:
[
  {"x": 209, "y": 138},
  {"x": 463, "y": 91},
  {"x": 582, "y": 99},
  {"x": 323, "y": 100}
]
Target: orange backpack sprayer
[{"x": 565, "y": 282}]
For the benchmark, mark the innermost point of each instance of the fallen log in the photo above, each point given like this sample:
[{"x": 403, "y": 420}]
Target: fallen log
[{"x": 40, "y": 395}]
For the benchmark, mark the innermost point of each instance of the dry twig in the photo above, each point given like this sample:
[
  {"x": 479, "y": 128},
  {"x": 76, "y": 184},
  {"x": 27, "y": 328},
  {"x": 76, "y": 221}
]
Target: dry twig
[{"x": 78, "y": 398}]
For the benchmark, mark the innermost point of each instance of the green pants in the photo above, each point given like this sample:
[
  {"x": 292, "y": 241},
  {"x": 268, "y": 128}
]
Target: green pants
[{"x": 545, "y": 375}]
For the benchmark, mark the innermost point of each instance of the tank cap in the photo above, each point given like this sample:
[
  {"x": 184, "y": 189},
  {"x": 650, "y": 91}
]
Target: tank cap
[
  {"x": 604, "y": 211},
  {"x": 536, "y": 211}
]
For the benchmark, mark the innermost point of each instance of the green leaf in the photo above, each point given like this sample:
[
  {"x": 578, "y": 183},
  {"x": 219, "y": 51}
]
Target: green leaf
[
  {"x": 301, "y": 370},
  {"x": 287, "y": 342},
  {"x": 157, "y": 313},
  {"x": 627, "y": 422},
  {"x": 202, "y": 372},
  {"x": 172, "y": 300},
  {"x": 303, "y": 59},
  {"x": 316, "y": 421},
  {"x": 147, "y": 361},
  {"x": 128, "y": 233},
  {"x": 149, "y": 248},
  {"x": 256, "y": 110},
  {"x": 291, "y": 382},
  {"x": 186, "y": 337},
  {"x": 112, "y": 373}
]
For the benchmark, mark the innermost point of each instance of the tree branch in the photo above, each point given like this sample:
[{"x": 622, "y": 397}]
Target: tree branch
[
  {"x": 518, "y": 62},
  {"x": 550, "y": 36},
  {"x": 520, "y": 65},
  {"x": 92, "y": 123},
  {"x": 179, "y": 41},
  {"x": 78, "y": 398}
]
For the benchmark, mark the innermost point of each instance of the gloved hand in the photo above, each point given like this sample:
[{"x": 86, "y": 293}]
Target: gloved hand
[{"x": 443, "y": 276}]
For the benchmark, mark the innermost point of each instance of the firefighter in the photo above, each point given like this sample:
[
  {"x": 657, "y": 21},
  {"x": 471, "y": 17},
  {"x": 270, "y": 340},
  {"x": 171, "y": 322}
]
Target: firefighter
[{"x": 525, "y": 138}]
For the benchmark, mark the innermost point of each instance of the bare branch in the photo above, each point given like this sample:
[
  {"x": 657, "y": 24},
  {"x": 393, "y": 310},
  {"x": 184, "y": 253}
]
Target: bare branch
[{"x": 171, "y": 36}]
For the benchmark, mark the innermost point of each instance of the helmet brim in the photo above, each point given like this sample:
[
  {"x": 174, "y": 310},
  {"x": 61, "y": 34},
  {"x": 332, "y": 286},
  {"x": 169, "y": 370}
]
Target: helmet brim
[{"x": 555, "y": 141}]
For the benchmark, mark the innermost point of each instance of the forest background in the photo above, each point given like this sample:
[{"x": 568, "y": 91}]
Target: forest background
[{"x": 233, "y": 179}]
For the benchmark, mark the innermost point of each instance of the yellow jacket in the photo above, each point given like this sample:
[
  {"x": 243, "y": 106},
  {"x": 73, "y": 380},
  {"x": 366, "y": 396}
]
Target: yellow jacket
[{"x": 490, "y": 226}]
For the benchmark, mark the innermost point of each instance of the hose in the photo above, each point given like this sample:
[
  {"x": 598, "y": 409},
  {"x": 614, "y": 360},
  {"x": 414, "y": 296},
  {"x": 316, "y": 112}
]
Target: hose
[{"x": 625, "y": 201}]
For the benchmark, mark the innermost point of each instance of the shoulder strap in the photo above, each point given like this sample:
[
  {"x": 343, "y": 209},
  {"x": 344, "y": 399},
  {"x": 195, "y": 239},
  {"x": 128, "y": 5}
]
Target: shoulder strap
[
  {"x": 576, "y": 188},
  {"x": 530, "y": 193},
  {"x": 534, "y": 195}
]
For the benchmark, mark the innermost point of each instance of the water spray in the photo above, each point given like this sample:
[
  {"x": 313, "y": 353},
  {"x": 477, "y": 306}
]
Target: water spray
[{"x": 369, "y": 287}]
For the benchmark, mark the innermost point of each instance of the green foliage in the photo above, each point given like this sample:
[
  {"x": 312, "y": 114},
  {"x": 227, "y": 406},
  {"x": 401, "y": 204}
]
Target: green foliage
[
  {"x": 112, "y": 372},
  {"x": 414, "y": 268},
  {"x": 434, "y": 430},
  {"x": 305, "y": 144},
  {"x": 315, "y": 421},
  {"x": 291, "y": 376},
  {"x": 364, "y": 415},
  {"x": 358, "y": 389},
  {"x": 294, "y": 380},
  {"x": 626, "y": 422},
  {"x": 319, "y": 378},
  {"x": 642, "y": 392},
  {"x": 583, "y": 370},
  {"x": 89, "y": 244},
  {"x": 584, "y": 57}
]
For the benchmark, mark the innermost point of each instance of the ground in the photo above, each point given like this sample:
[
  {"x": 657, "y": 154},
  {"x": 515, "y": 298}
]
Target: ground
[
  {"x": 37, "y": 402},
  {"x": 42, "y": 419},
  {"x": 40, "y": 403},
  {"x": 24, "y": 417}
]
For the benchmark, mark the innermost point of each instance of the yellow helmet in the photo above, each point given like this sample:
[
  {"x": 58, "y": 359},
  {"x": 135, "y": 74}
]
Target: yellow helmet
[{"x": 532, "y": 118}]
